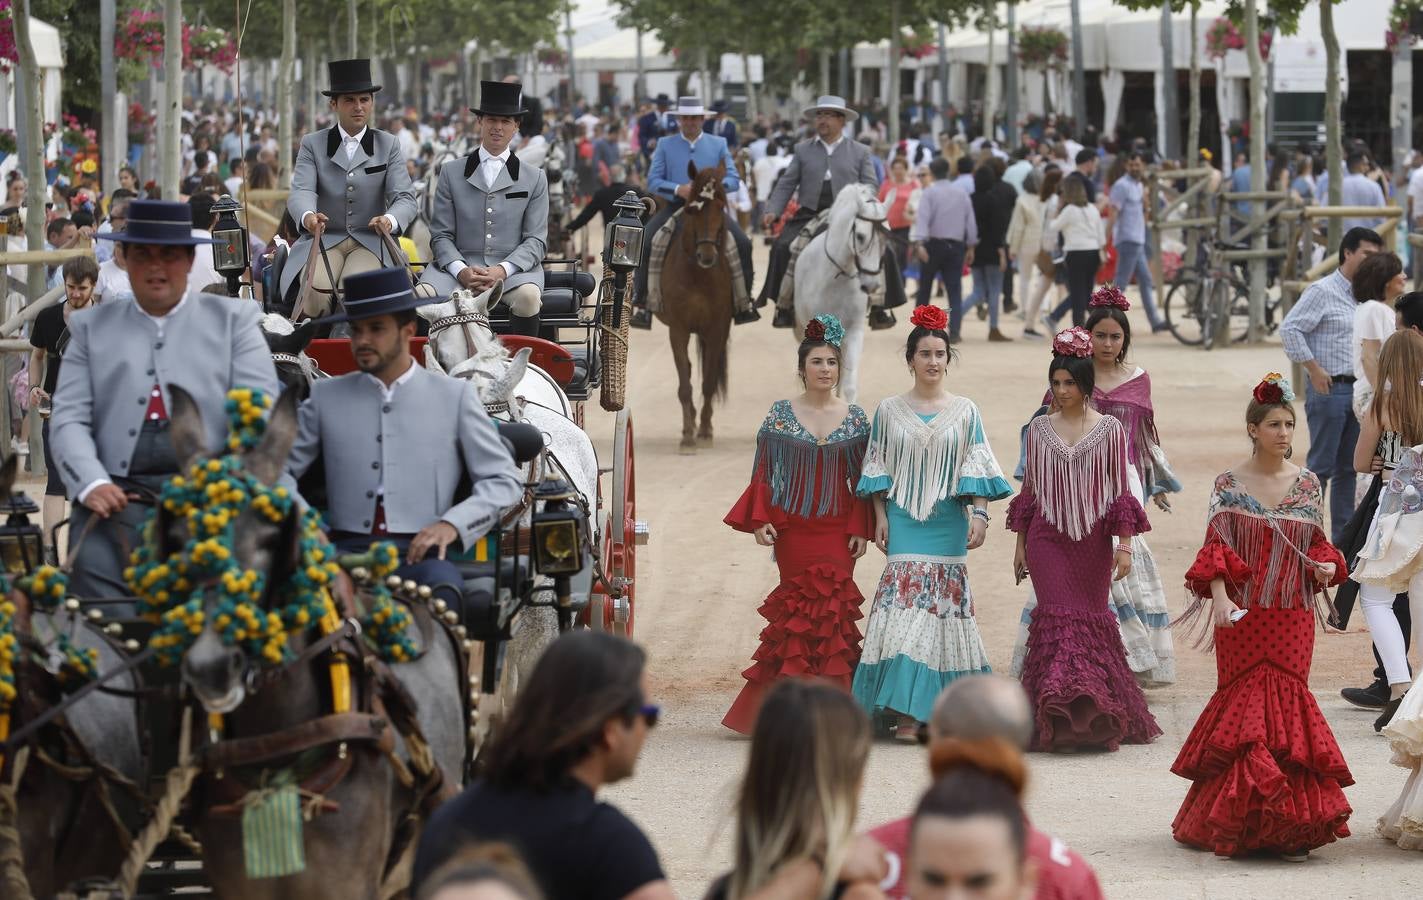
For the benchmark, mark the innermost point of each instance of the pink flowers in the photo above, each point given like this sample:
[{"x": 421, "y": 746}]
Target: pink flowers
[
  {"x": 1074, "y": 341},
  {"x": 1110, "y": 295},
  {"x": 140, "y": 37}
]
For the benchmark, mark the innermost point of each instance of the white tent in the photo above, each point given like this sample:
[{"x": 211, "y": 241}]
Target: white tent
[{"x": 50, "y": 56}]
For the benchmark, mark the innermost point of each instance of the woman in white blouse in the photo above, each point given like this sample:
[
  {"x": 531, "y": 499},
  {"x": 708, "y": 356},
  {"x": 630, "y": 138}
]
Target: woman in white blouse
[
  {"x": 1083, "y": 237},
  {"x": 1377, "y": 283}
]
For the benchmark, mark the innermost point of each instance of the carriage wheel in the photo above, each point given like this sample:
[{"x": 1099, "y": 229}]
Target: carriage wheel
[{"x": 614, "y": 600}]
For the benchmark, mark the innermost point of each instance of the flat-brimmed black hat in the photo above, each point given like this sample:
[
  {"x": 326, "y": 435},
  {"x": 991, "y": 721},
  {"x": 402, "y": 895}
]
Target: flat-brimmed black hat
[
  {"x": 380, "y": 292},
  {"x": 350, "y": 76},
  {"x": 158, "y": 222},
  {"x": 499, "y": 99}
]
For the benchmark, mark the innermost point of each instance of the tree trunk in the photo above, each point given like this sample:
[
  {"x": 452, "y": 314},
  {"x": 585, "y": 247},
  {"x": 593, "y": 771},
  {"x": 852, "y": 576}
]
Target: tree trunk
[
  {"x": 112, "y": 139},
  {"x": 572, "y": 70},
  {"x": 477, "y": 74},
  {"x": 752, "y": 107},
  {"x": 1079, "y": 76},
  {"x": 893, "y": 68},
  {"x": 352, "y": 31},
  {"x": 1191, "y": 152},
  {"x": 639, "y": 85},
  {"x": 171, "y": 138},
  {"x": 1170, "y": 101},
  {"x": 1010, "y": 80},
  {"x": 286, "y": 94},
  {"x": 824, "y": 71},
  {"x": 310, "y": 96},
  {"x": 33, "y": 149},
  {"x": 1257, "y": 163},
  {"x": 990, "y": 84},
  {"x": 1331, "y": 117},
  {"x": 943, "y": 50}
]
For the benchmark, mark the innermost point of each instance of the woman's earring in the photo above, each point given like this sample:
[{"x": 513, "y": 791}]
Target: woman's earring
[{"x": 1290, "y": 452}]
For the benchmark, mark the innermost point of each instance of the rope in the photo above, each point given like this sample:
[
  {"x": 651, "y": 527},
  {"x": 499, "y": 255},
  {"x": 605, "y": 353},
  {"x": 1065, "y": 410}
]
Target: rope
[
  {"x": 178, "y": 782},
  {"x": 186, "y": 838},
  {"x": 13, "y": 883}
]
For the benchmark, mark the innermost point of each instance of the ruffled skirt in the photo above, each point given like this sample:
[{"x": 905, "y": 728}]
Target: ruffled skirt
[
  {"x": 1403, "y": 823},
  {"x": 1138, "y": 602},
  {"x": 1267, "y": 773},
  {"x": 921, "y": 635},
  {"x": 810, "y": 631}
]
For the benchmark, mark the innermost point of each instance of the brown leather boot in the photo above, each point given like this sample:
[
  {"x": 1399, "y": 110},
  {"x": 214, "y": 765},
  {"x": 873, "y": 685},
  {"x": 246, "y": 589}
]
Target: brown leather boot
[{"x": 997, "y": 337}]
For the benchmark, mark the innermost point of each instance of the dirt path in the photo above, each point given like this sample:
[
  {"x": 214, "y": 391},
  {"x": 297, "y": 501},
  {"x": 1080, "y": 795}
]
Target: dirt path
[{"x": 700, "y": 584}]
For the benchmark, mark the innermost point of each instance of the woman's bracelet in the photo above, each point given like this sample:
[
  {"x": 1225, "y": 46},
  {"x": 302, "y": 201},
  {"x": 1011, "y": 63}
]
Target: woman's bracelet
[
  {"x": 980, "y": 512},
  {"x": 1124, "y": 548}
]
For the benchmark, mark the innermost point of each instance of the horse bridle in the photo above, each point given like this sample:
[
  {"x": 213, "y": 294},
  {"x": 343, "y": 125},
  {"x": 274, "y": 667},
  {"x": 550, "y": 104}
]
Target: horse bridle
[
  {"x": 464, "y": 320},
  {"x": 715, "y": 240},
  {"x": 879, "y": 226}
]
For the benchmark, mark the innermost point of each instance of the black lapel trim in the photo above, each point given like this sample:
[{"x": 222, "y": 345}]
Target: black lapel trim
[
  {"x": 368, "y": 143},
  {"x": 513, "y": 165},
  {"x": 471, "y": 163},
  {"x": 333, "y": 141}
]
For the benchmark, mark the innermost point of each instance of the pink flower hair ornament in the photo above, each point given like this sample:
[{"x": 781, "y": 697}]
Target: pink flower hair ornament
[
  {"x": 1110, "y": 295},
  {"x": 1074, "y": 341}
]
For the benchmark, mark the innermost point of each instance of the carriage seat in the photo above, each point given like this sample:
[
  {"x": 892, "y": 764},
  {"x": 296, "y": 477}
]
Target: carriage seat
[
  {"x": 482, "y": 610},
  {"x": 582, "y": 282}
]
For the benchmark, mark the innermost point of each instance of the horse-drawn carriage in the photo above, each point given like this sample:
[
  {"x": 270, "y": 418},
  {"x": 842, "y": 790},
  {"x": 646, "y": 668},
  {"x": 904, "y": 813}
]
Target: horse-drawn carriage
[{"x": 320, "y": 761}]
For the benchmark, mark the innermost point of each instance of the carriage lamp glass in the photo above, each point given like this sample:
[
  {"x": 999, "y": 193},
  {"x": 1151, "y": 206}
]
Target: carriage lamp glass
[
  {"x": 557, "y": 530},
  {"x": 622, "y": 242},
  {"x": 229, "y": 254},
  {"x": 21, "y": 541}
]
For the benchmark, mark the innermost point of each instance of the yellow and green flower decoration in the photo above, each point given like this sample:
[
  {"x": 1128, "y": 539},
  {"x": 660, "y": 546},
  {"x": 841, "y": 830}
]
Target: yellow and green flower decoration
[
  {"x": 45, "y": 588},
  {"x": 250, "y": 613}
]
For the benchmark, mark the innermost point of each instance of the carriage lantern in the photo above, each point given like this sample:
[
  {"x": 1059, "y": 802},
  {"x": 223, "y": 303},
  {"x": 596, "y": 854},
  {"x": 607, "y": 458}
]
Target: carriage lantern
[
  {"x": 558, "y": 529},
  {"x": 229, "y": 254},
  {"x": 622, "y": 246},
  {"x": 21, "y": 541}
]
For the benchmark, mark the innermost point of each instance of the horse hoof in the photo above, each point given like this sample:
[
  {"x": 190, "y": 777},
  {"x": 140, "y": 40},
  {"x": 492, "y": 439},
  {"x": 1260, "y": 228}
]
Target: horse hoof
[
  {"x": 704, "y": 440},
  {"x": 687, "y": 448}
]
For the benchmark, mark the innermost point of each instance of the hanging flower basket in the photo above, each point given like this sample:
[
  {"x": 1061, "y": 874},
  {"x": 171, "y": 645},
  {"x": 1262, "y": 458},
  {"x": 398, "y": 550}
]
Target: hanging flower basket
[
  {"x": 1223, "y": 37},
  {"x": 9, "y": 53},
  {"x": 8, "y": 142},
  {"x": 553, "y": 57},
  {"x": 1399, "y": 30},
  {"x": 140, "y": 37},
  {"x": 1042, "y": 47},
  {"x": 919, "y": 50}
]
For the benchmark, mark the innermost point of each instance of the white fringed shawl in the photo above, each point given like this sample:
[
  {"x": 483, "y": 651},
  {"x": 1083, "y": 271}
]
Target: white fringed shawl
[
  {"x": 1075, "y": 486},
  {"x": 925, "y": 460}
]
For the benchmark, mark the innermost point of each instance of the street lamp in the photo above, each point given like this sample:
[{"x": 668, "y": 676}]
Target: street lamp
[
  {"x": 622, "y": 246},
  {"x": 229, "y": 254},
  {"x": 21, "y": 541}
]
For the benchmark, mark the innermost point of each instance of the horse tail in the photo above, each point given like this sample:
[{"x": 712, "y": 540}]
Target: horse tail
[{"x": 713, "y": 360}]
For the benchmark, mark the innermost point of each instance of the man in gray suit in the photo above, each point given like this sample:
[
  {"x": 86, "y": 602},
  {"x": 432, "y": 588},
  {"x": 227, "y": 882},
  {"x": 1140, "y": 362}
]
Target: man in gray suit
[
  {"x": 397, "y": 440},
  {"x": 821, "y": 167},
  {"x": 349, "y": 182},
  {"x": 110, "y": 429},
  {"x": 490, "y": 222}
]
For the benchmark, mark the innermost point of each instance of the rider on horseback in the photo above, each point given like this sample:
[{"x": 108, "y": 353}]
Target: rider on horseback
[
  {"x": 110, "y": 428},
  {"x": 396, "y": 441},
  {"x": 670, "y": 178},
  {"x": 350, "y": 185},
  {"x": 490, "y": 222},
  {"x": 820, "y": 169}
]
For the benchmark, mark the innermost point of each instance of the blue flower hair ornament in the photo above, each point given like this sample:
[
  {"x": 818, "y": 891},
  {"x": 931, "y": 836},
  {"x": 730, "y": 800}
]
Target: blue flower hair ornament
[{"x": 827, "y": 328}]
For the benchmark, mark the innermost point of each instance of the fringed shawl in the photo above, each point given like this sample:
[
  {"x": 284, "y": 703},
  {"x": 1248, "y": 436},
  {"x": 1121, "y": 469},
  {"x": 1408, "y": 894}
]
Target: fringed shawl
[
  {"x": 810, "y": 476},
  {"x": 1130, "y": 404},
  {"x": 1074, "y": 487},
  {"x": 927, "y": 461}
]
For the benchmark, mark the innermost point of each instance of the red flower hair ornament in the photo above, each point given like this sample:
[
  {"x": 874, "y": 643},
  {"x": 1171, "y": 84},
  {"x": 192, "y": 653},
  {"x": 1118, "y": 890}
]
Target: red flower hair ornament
[
  {"x": 1110, "y": 295},
  {"x": 929, "y": 316},
  {"x": 1074, "y": 341},
  {"x": 1274, "y": 388}
]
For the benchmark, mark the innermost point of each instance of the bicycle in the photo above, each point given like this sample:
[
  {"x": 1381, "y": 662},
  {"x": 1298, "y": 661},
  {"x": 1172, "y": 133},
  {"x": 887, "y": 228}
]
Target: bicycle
[{"x": 1210, "y": 304}]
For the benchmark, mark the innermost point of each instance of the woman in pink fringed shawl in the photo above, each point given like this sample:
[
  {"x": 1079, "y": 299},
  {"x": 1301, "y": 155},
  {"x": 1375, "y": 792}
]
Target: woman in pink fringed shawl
[{"x": 1075, "y": 518}]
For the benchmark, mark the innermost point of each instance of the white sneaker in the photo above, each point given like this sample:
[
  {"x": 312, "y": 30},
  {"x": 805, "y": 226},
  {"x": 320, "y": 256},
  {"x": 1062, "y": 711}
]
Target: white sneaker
[{"x": 20, "y": 448}]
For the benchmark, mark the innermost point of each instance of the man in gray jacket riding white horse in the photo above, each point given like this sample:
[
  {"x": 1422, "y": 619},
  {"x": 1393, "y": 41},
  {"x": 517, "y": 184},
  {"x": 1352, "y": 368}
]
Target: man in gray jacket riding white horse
[
  {"x": 490, "y": 222},
  {"x": 350, "y": 186},
  {"x": 821, "y": 168}
]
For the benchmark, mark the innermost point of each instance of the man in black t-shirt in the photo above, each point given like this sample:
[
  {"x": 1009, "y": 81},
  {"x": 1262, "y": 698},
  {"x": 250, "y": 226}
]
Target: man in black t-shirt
[
  {"x": 48, "y": 336},
  {"x": 579, "y": 724}
]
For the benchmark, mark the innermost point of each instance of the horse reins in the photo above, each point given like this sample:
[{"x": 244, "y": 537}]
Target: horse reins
[{"x": 878, "y": 225}]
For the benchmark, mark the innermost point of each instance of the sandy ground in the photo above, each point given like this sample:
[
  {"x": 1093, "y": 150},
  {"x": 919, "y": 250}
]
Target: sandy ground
[{"x": 700, "y": 583}]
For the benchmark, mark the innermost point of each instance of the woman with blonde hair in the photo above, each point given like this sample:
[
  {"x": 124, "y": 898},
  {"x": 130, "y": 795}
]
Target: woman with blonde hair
[
  {"x": 1083, "y": 237},
  {"x": 795, "y": 813},
  {"x": 1389, "y": 562}
]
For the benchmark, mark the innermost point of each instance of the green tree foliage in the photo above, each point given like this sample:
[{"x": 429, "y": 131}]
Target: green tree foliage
[{"x": 78, "y": 25}]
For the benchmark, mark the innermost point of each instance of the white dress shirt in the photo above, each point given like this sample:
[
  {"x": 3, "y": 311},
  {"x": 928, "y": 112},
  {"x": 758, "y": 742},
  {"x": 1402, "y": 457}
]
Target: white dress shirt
[
  {"x": 490, "y": 167},
  {"x": 830, "y": 150}
]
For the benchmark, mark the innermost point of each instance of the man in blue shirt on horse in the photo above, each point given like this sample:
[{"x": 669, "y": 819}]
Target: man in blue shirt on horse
[{"x": 669, "y": 178}]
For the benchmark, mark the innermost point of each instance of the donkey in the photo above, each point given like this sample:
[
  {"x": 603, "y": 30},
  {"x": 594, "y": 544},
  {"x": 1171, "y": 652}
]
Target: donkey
[
  {"x": 349, "y": 844},
  {"x": 837, "y": 271},
  {"x": 696, "y": 300}
]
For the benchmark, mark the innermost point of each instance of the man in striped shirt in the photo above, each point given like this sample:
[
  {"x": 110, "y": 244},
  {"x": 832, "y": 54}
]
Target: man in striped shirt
[{"x": 1318, "y": 334}]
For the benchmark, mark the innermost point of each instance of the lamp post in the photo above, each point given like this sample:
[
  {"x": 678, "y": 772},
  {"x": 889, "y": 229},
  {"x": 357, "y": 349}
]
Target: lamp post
[
  {"x": 229, "y": 254},
  {"x": 622, "y": 247},
  {"x": 21, "y": 541}
]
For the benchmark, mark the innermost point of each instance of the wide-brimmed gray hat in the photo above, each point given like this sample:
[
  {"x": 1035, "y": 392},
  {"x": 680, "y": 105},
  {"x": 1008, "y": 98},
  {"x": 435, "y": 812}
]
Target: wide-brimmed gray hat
[
  {"x": 689, "y": 106},
  {"x": 833, "y": 104}
]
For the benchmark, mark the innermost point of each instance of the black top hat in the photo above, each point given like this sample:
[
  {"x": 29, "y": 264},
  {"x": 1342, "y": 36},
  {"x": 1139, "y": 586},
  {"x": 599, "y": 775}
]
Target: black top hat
[
  {"x": 380, "y": 292},
  {"x": 720, "y": 106},
  {"x": 499, "y": 99},
  {"x": 158, "y": 222},
  {"x": 663, "y": 100},
  {"x": 350, "y": 76}
]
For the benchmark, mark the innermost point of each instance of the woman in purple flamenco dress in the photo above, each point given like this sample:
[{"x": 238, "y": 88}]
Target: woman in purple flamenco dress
[{"x": 1075, "y": 518}]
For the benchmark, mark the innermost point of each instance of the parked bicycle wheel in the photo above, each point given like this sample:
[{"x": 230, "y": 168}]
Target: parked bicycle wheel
[
  {"x": 1215, "y": 312},
  {"x": 1182, "y": 309}
]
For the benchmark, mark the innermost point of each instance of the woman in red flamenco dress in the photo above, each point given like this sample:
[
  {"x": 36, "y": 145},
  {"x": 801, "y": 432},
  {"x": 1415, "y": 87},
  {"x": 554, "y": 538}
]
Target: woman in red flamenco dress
[
  {"x": 1267, "y": 775},
  {"x": 808, "y": 457}
]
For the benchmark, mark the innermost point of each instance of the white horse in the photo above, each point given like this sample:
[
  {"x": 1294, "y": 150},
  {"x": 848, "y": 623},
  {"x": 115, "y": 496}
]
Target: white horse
[
  {"x": 839, "y": 269},
  {"x": 462, "y": 345}
]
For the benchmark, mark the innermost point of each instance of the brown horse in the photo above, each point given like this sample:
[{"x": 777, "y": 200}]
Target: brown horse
[{"x": 696, "y": 299}]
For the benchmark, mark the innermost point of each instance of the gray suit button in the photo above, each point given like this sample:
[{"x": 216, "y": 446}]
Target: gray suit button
[
  {"x": 123, "y": 465},
  {"x": 378, "y": 439},
  {"x": 142, "y": 401},
  {"x": 489, "y": 209},
  {"x": 158, "y": 346},
  {"x": 488, "y": 236},
  {"x": 350, "y": 188},
  {"x": 375, "y": 465},
  {"x": 133, "y": 432},
  {"x": 385, "y": 408},
  {"x": 149, "y": 372},
  {"x": 370, "y": 494},
  {"x": 366, "y": 523}
]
